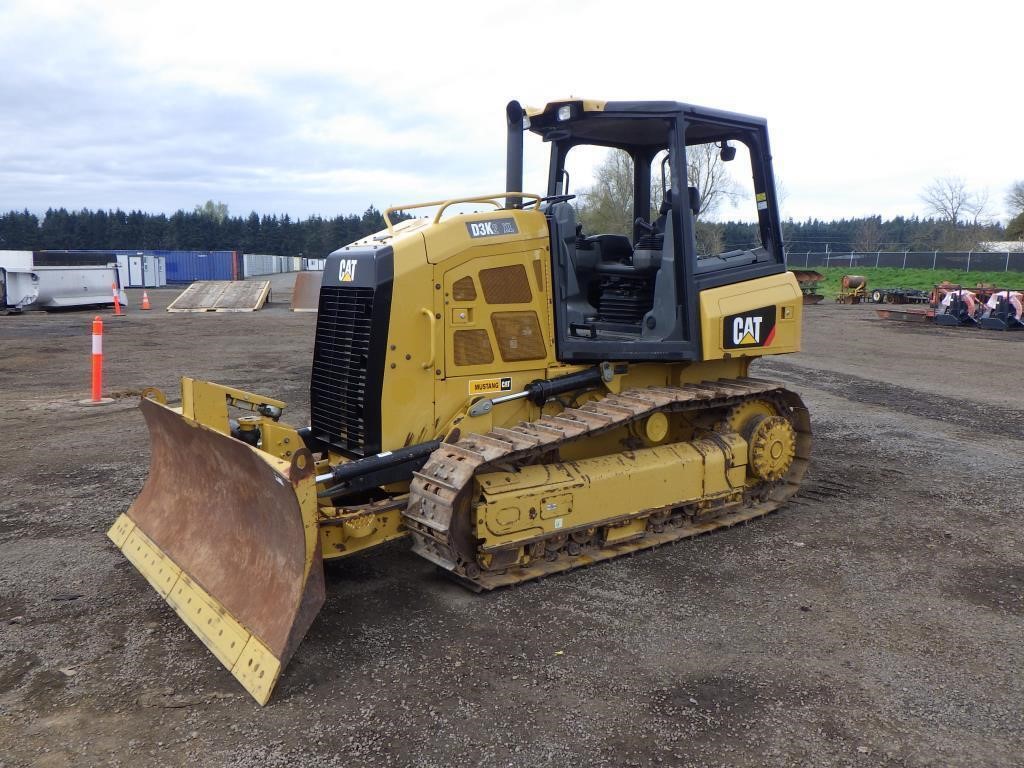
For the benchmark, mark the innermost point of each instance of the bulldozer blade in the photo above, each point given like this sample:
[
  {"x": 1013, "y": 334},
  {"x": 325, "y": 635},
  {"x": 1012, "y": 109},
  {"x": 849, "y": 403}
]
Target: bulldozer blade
[{"x": 227, "y": 535}]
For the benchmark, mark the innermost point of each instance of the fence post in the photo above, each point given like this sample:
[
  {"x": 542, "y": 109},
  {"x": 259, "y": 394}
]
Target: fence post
[
  {"x": 851, "y": 259},
  {"x": 969, "y": 260},
  {"x": 904, "y": 259},
  {"x": 1007, "y": 267},
  {"x": 935, "y": 256},
  {"x": 878, "y": 255}
]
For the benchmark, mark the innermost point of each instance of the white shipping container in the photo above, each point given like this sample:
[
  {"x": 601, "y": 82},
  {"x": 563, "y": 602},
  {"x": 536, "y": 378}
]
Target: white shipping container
[
  {"x": 142, "y": 270},
  {"x": 254, "y": 264}
]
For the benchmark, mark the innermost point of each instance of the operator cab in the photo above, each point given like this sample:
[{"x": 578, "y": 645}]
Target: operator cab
[{"x": 632, "y": 293}]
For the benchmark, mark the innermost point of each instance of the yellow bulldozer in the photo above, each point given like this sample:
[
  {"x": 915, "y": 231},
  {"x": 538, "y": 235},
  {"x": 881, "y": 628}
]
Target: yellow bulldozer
[{"x": 514, "y": 395}]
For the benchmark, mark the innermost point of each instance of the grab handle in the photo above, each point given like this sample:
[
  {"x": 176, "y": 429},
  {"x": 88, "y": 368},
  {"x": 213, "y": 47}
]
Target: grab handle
[{"x": 433, "y": 342}]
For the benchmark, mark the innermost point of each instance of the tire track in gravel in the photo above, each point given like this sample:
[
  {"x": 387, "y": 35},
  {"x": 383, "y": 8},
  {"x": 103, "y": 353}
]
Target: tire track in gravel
[{"x": 979, "y": 417}]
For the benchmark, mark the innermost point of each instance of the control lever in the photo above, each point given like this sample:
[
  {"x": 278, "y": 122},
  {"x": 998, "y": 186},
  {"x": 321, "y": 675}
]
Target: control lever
[{"x": 649, "y": 228}]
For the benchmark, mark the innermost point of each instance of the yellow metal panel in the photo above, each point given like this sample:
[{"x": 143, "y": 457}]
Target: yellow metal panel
[
  {"x": 336, "y": 542},
  {"x": 559, "y": 505},
  {"x": 424, "y": 388},
  {"x": 718, "y": 304},
  {"x": 450, "y": 239},
  {"x": 627, "y": 530},
  {"x": 207, "y": 402},
  {"x": 644, "y": 479},
  {"x": 279, "y": 439},
  {"x": 412, "y": 334},
  {"x": 715, "y": 482}
]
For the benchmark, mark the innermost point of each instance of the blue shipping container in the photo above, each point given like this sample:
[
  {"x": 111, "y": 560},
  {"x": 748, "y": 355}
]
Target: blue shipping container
[{"x": 189, "y": 266}]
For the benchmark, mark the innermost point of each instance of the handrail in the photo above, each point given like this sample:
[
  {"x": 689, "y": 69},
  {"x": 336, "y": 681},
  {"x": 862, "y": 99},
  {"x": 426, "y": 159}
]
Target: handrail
[
  {"x": 433, "y": 343},
  {"x": 492, "y": 199}
]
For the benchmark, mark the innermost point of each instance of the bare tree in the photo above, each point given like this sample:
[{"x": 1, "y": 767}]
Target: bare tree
[
  {"x": 947, "y": 198},
  {"x": 977, "y": 207},
  {"x": 1015, "y": 198},
  {"x": 706, "y": 171},
  {"x": 607, "y": 206}
]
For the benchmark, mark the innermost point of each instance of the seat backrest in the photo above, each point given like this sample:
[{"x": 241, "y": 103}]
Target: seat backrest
[
  {"x": 694, "y": 200},
  {"x": 610, "y": 247},
  {"x": 663, "y": 211}
]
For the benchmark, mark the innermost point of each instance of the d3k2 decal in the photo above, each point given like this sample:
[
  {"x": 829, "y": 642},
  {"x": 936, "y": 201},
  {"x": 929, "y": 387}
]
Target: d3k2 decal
[
  {"x": 753, "y": 328},
  {"x": 492, "y": 227}
]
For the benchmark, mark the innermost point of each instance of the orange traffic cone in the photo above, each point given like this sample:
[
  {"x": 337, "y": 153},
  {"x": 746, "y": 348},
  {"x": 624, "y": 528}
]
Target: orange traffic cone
[
  {"x": 117, "y": 301},
  {"x": 145, "y": 301}
]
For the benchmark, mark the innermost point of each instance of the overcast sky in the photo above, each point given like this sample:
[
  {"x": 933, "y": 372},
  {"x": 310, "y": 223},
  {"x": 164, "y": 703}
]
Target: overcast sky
[{"x": 326, "y": 108}]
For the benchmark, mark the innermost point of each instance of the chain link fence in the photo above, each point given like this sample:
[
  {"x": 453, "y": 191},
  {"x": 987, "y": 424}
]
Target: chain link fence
[{"x": 966, "y": 261}]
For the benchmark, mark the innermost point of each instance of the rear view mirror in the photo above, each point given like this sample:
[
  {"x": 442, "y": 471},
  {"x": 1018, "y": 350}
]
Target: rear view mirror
[{"x": 728, "y": 152}]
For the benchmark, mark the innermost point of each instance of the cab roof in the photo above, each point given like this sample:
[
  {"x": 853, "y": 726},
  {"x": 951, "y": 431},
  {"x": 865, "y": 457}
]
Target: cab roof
[{"x": 632, "y": 123}]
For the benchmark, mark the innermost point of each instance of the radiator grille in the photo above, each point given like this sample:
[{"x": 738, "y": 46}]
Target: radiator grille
[{"x": 341, "y": 356}]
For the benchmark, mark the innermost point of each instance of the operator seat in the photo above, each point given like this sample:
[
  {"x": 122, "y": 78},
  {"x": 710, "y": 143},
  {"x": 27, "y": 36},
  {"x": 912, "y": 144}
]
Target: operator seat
[
  {"x": 664, "y": 210},
  {"x": 610, "y": 248},
  {"x": 666, "y": 207}
]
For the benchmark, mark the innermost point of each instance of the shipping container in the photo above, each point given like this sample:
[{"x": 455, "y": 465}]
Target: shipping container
[
  {"x": 156, "y": 267},
  {"x": 189, "y": 266},
  {"x": 142, "y": 270},
  {"x": 258, "y": 264},
  {"x": 254, "y": 264}
]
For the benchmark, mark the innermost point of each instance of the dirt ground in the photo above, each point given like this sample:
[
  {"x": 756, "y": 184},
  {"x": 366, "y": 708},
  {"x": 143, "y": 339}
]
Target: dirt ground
[{"x": 876, "y": 620}]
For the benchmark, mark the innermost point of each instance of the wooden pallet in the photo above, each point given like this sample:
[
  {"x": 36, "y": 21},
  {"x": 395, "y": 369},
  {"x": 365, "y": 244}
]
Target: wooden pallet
[{"x": 222, "y": 296}]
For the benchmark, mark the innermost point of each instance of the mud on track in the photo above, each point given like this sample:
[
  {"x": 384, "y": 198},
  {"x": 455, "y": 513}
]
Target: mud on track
[{"x": 876, "y": 620}]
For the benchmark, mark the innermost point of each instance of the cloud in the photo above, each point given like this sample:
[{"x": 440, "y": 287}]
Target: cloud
[
  {"x": 90, "y": 130},
  {"x": 325, "y": 108}
]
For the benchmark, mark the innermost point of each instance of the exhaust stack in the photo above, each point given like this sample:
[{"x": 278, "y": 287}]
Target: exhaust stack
[{"x": 514, "y": 157}]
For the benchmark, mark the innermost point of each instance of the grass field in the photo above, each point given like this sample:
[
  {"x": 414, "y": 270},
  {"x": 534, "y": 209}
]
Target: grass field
[{"x": 924, "y": 279}]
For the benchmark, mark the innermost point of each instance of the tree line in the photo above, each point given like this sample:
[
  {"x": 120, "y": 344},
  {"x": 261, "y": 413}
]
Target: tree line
[
  {"x": 870, "y": 233},
  {"x": 208, "y": 227},
  {"x": 958, "y": 218}
]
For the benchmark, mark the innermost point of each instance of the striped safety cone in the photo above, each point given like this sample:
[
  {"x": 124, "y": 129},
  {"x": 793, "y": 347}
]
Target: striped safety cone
[
  {"x": 117, "y": 301},
  {"x": 145, "y": 301}
]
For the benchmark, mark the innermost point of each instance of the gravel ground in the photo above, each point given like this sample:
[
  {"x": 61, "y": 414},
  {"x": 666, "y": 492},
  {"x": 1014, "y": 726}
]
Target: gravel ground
[{"x": 877, "y": 620}]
